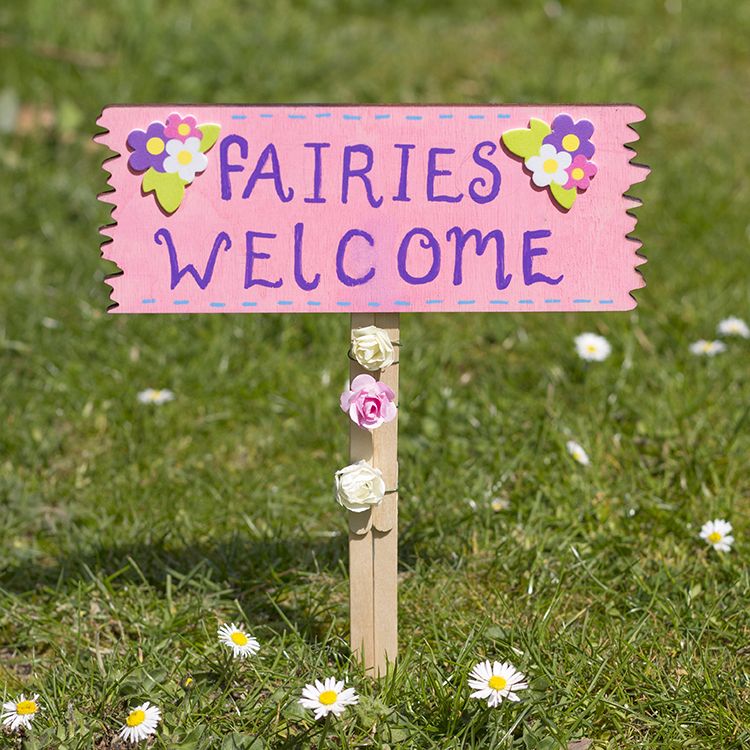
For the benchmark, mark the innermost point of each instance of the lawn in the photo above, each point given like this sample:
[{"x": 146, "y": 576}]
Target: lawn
[{"x": 130, "y": 532}]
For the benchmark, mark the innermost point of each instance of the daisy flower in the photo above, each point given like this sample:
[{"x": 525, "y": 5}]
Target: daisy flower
[
  {"x": 19, "y": 714},
  {"x": 718, "y": 533},
  {"x": 705, "y": 348},
  {"x": 238, "y": 640},
  {"x": 327, "y": 697},
  {"x": 592, "y": 347},
  {"x": 577, "y": 452},
  {"x": 499, "y": 504},
  {"x": 155, "y": 396},
  {"x": 493, "y": 682},
  {"x": 733, "y": 327},
  {"x": 141, "y": 723}
]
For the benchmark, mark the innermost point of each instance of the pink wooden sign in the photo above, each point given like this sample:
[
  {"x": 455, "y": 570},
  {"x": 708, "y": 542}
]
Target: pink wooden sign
[{"x": 371, "y": 208}]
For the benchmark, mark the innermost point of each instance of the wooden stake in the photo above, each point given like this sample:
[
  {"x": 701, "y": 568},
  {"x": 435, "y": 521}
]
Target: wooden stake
[{"x": 373, "y": 535}]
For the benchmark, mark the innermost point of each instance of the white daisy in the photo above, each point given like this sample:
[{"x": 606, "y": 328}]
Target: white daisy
[
  {"x": 549, "y": 166},
  {"x": 155, "y": 396},
  {"x": 493, "y": 682},
  {"x": 141, "y": 723},
  {"x": 238, "y": 640},
  {"x": 703, "y": 348},
  {"x": 499, "y": 504},
  {"x": 327, "y": 697},
  {"x": 19, "y": 714},
  {"x": 185, "y": 158},
  {"x": 592, "y": 347},
  {"x": 733, "y": 327},
  {"x": 577, "y": 452},
  {"x": 718, "y": 533}
]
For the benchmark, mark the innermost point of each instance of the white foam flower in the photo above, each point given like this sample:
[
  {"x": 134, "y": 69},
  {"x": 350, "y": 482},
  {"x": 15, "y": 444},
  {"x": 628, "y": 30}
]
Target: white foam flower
[
  {"x": 592, "y": 347},
  {"x": 718, "y": 533},
  {"x": 703, "y": 348},
  {"x": 372, "y": 348},
  {"x": 577, "y": 452},
  {"x": 496, "y": 681},
  {"x": 155, "y": 396},
  {"x": 238, "y": 640},
  {"x": 141, "y": 723},
  {"x": 19, "y": 714},
  {"x": 328, "y": 697},
  {"x": 733, "y": 327},
  {"x": 185, "y": 158},
  {"x": 549, "y": 166}
]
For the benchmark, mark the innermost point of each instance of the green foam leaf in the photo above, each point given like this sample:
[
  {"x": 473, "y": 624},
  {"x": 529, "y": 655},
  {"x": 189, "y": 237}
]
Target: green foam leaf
[
  {"x": 167, "y": 187},
  {"x": 210, "y": 136},
  {"x": 566, "y": 198},
  {"x": 526, "y": 142}
]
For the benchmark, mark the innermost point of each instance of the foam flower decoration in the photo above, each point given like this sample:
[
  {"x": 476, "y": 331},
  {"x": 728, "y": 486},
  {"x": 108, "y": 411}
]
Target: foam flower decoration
[
  {"x": 703, "y": 348},
  {"x": 238, "y": 640},
  {"x": 18, "y": 714},
  {"x": 372, "y": 348},
  {"x": 496, "y": 682},
  {"x": 549, "y": 153},
  {"x": 359, "y": 487},
  {"x": 577, "y": 452},
  {"x": 580, "y": 172},
  {"x": 182, "y": 128},
  {"x": 170, "y": 156},
  {"x": 369, "y": 402},
  {"x": 592, "y": 347},
  {"x": 570, "y": 136},
  {"x": 733, "y": 327},
  {"x": 718, "y": 533},
  {"x": 328, "y": 697},
  {"x": 549, "y": 166},
  {"x": 140, "y": 723},
  {"x": 185, "y": 158}
]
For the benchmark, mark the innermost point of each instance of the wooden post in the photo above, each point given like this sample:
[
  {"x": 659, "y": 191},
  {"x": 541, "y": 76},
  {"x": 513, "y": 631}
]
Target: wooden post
[{"x": 373, "y": 535}]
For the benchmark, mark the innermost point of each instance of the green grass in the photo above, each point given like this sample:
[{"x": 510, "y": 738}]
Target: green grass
[{"x": 128, "y": 533}]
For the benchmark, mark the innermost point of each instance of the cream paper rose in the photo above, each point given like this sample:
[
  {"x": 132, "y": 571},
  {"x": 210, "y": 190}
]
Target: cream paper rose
[
  {"x": 359, "y": 487},
  {"x": 372, "y": 348}
]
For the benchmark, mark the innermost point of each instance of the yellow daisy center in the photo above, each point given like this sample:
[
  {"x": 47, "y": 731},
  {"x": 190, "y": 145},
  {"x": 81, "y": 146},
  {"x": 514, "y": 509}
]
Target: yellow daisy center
[
  {"x": 591, "y": 348},
  {"x": 155, "y": 146},
  {"x": 24, "y": 708},
  {"x": 577, "y": 174},
  {"x": 136, "y": 718},
  {"x": 239, "y": 639},
  {"x": 328, "y": 697},
  {"x": 571, "y": 142},
  {"x": 496, "y": 682},
  {"x": 714, "y": 537},
  {"x": 183, "y": 129},
  {"x": 550, "y": 166},
  {"x": 184, "y": 157}
]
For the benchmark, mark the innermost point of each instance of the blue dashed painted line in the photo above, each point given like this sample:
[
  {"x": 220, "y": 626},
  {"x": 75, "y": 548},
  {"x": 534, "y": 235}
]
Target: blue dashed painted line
[
  {"x": 445, "y": 117},
  {"x": 382, "y": 117},
  {"x": 466, "y": 301},
  {"x": 239, "y": 117},
  {"x": 352, "y": 117},
  {"x": 401, "y": 303},
  {"x": 499, "y": 302},
  {"x": 312, "y": 303},
  {"x": 249, "y": 304},
  {"x": 503, "y": 117},
  {"x": 181, "y": 301},
  {"x": 551, "y": 301},
  {"x": 218, "y": 304},
  {"x": 284, "y": 302},
  {"x": 148, "y": 301},
  {"x": 323, "y": 114},
  {"x": 606, "y": 302},
  {"x": 297, "y": 117},
  {"x": 434, "y": 302},
  {"x": 414, "y": 117},
  {"x": 581, "y": 301},
  {"x": 344, "y": 304},
  {"x": 266, "y": 116},
  {"x": 476, "y": 117},
  {"x": 373, "y": 304},
  {"x": 525, "y": 301}
]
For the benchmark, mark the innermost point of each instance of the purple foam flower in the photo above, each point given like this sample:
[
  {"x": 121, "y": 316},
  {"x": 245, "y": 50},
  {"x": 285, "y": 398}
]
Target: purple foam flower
[
  {"x": 570, "y": 136},
  {"x": 148, "y": 147},
  {"x": 580, "y": 173}
]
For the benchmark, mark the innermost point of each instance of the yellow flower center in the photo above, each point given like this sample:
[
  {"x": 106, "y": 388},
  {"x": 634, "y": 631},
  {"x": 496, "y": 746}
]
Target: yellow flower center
[
  {"x": 24, "y": 708},
  {"x": 239, "y": 638},
  {"x": 714, "y": 537},
  {"x": 155, "y": 146},
  {"x": 577, "y": 174},
  {"x": 497, "y": 683},
  {"x": 184, "y": 157},
  {"x": 183, "y": 129},
  {"x": 571, "y": 142},
  {"x": 136, "y": 718},
  {"x": 550, "y": 166},
  {"x": 328, "y": 697},
  {"x": 591, "y": 348}
]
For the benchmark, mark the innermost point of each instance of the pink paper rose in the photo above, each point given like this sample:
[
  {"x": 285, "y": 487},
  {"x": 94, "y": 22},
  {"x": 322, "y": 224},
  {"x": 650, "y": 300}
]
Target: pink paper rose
[{"x": 369, "y": 402}]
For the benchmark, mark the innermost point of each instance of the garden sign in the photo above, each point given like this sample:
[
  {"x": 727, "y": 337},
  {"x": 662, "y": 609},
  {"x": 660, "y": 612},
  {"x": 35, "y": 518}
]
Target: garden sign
[{"x": 371, "y": 211}]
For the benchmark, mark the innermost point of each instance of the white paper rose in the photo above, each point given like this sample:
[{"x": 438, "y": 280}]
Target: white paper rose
[
  {"x": 359, "y": 486},
  {"x": 372, "y": 348}
]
